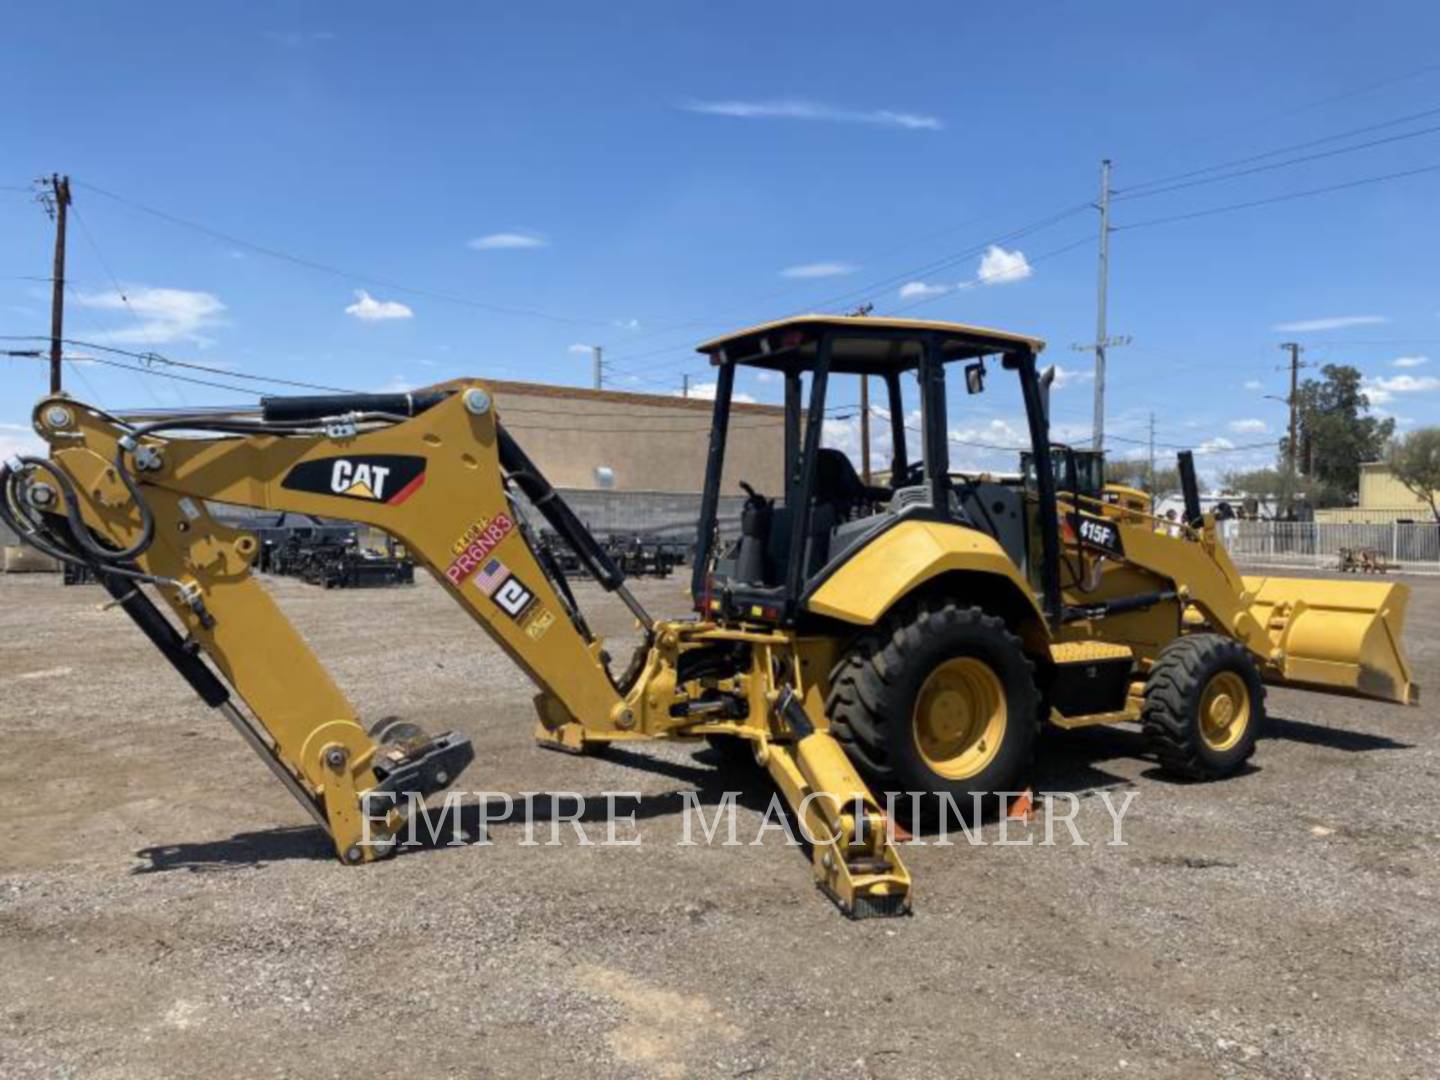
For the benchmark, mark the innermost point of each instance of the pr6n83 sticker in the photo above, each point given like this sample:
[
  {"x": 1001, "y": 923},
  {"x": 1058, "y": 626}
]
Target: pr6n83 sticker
[{"x": 472, "y": 550}]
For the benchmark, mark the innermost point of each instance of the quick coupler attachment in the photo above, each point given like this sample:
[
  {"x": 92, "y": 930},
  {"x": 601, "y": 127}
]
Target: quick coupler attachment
[
  {"x": 408, "y": 766},
  {"x": 422, "y": 765}
]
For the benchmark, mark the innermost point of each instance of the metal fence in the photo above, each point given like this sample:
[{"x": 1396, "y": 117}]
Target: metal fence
[{"x": 1413, "y": 548}]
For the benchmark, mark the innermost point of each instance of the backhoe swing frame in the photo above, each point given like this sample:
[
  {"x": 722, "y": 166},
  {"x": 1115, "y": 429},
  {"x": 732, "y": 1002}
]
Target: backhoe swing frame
[{"x": 436, "y": 481}]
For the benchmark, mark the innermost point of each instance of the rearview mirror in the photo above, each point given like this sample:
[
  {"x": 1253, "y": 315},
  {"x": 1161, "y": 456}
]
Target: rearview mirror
[
  {"x": 975, "y": 377},
  {"x": 1047, "y": 379}
]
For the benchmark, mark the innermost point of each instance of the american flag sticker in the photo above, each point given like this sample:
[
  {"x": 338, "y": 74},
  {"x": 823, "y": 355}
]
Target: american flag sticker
[{"x": 491, "y": 576}]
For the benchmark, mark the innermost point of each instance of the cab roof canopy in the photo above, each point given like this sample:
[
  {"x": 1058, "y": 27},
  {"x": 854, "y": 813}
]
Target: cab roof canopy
[{"x": 863, "y": 343}]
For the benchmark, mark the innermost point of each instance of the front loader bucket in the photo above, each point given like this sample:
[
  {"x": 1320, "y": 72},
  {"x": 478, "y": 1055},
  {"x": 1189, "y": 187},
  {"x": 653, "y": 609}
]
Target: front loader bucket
[{"x": 1336, "y": 635}]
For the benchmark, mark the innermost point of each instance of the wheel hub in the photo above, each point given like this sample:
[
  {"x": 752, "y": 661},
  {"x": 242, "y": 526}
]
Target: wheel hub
[
  {"x": 1224, "y": 710},
  {"x": 960, "y": 717}
]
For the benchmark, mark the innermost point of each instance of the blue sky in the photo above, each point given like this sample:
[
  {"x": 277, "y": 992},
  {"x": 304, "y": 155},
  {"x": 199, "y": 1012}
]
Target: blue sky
[{"x": 643, "y": 176}]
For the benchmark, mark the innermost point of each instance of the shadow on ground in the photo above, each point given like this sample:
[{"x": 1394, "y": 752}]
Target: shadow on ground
[
  {"x": 1331, "y": 737},
  {"x": 711, "y": 785},
  {"x": 1068, "y": 761}
]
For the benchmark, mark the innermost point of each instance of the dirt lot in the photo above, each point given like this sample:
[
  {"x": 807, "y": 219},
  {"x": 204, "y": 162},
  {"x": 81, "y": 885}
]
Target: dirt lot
[{"x": 166, "y": 910}]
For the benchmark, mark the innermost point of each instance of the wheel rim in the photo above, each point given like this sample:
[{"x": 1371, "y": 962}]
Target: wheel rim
[
  {"x": 1224, "y": 711},
  {"x": 960, "y": 717}
]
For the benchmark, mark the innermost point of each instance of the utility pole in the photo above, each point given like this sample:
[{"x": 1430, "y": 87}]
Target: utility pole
[
  {"x": 684, "y": 386},
  {"x": 1102, "y": 343},
  {"x": 1152, "y": 455},
  {"x": 865, "y": 429},
  {"x": 1291, "y": 448},
  {"x": 57, "y": 202},
  {"x": 860, "y": 312},
  {"x": 1100, "y": 305},
  {"x": 599, "y": 365}
]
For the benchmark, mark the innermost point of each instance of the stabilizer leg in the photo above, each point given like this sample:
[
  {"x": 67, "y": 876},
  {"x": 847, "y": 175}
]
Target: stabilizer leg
[{"x": 855, "y": 863}]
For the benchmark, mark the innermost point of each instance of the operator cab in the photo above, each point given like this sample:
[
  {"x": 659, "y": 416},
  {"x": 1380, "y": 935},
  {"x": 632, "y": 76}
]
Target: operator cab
[
  {"x": 791, "y": 540},
  {"x": 1079, "y": 471}
]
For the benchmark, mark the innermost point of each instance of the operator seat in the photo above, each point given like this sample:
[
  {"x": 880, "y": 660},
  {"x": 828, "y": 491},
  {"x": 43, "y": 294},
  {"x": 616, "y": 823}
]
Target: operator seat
[{"x": 838, "y": 484}]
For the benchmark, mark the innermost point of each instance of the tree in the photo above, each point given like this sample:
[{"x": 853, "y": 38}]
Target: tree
[
  {"x": 1335, "y": 435},
  {"x": 1414, "y": 460},
  {"x": 1270, "y": 488},
  {"x": 1261, "y": 483}
]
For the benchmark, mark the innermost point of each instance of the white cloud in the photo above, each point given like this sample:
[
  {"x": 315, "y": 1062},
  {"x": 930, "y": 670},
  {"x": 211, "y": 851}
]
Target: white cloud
[
  {"x": 1410, "y": 361},
  {"x": 20, "y": 439},
  {"x": 1249, "y": 426},
  {"x": 705, "y": 391},
  {"x": 999, "y": 267},
  {"x": 1254, "y": 384},
  {"x": 160, "y": 316},
  {"x": 1210, "y": 446},
  {"x": 367, "y": 309},
  {"x": 763, "y": 376},
  {"x": 818, "y": 270},
  {"x": 628, "y": 324},
  {"x": 811, "y": 110},
  {"x": 1065, "y": 376},
  {"x": 1334, "y": 322},
  {"x": 1382, "y": 391},
  {"x": 920, "y": 290},
  {"x": 997, "y": 432},
  {"x": 398, "y": 384},
  {"x": 843, "y": 433},
  {"x": 508, "y": 241},
  {"x": 580, "y": 347}
]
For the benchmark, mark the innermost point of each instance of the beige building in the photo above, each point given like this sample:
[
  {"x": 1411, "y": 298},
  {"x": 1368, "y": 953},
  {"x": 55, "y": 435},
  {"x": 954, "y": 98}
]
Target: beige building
[
  {"x": 598, "y": 440},
  {"x": 1383, "y": 499}
]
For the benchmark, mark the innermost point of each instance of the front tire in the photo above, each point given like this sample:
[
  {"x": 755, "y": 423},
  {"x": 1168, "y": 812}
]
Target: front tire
[
  {"x": 1204, "y": 707},
  {"x": 938, "y": 699}
]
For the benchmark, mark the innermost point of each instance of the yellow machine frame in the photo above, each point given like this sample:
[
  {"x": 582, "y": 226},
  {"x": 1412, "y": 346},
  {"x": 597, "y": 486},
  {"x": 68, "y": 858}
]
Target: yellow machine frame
[{"x": 433, "y": 479}]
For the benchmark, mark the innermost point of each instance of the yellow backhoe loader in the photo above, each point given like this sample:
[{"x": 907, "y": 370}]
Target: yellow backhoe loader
[{"x": 854, "y": 639}]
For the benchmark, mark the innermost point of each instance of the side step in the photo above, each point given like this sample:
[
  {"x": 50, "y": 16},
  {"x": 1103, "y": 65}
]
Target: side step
[{"x": 1092, "y": 682}]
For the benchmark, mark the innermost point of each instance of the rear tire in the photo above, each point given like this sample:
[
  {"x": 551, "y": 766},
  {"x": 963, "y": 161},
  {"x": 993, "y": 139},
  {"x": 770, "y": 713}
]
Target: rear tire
[
  {"x": 937, "y": 699},
  {"x": 1204, "y": 707}
]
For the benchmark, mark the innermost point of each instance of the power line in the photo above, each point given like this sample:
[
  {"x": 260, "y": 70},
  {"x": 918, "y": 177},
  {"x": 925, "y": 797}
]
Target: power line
[
  {"x": 1202, "y": 449},
  {"x": 1366, "y": 89},
  {"x": 1279, "y": 164},
  {"x": 1379, "y": 341},
  {"x": 104, "y": 265},
  {"x": 157, "y": 358},
  {"x": 1131, "y": 191},
  {"x": 349, "y": 275},
  {"x": 149, "y": 358},
  {"x": 166, "y": 375},
  {"x": 931, "y": 267},
  {"x": 1277, "y": 198},
  {"x": 981, "y": 279}
]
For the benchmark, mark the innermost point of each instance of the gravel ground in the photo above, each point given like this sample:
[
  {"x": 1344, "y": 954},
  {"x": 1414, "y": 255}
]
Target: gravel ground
[{"x": 165, "y": 909}]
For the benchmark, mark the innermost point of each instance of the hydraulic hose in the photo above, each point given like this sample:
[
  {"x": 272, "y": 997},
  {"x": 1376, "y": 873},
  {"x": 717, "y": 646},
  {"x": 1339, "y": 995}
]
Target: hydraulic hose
[{"x": 43, "y": 539}]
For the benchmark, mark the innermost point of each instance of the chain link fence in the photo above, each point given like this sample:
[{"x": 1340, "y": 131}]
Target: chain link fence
[{"x": 1410, "y": 547}]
